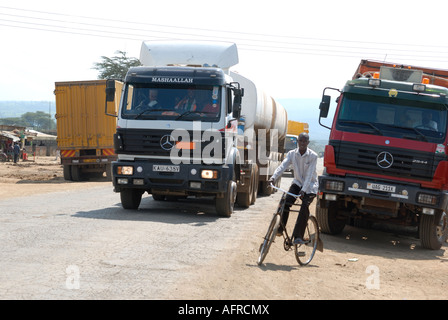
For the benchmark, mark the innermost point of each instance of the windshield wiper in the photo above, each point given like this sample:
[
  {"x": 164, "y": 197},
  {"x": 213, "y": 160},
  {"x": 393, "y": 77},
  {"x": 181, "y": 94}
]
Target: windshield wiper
[
  {"x": 418, "y": 132},
  {"x": 149, "y": 110},
  {"x": 363, "y": 123},
  {"x": 186, "y": 113}
]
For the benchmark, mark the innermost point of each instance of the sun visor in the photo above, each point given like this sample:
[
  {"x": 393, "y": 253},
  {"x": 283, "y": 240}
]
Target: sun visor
[{"x": 189, "y": 53}]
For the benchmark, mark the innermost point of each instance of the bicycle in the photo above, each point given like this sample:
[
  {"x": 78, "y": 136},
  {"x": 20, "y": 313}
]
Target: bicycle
[{"x": 304, "y": 253}]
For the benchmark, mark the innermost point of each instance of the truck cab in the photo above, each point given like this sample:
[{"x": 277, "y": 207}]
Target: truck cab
[
  {"x": 386, "y": 159},
  {"x": 179, "y": 120}
]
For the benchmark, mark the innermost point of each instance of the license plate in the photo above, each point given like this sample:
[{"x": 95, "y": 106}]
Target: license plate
[
  {"x": 163, "y": 168},
  {"x": 380, "y": 187}
]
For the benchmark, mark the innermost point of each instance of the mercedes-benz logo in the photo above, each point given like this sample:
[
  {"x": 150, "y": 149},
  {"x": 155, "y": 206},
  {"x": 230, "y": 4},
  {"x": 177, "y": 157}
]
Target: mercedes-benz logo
[
  {"x": 384, "y": 160},
  {"x": 167, "y": 142}
]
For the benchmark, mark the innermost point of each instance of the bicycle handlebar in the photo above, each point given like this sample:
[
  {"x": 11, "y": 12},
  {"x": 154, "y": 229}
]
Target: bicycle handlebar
[{"x": 287, "y": 192}]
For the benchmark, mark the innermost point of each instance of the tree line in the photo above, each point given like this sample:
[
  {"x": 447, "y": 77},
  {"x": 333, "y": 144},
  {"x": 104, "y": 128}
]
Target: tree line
[{"x": 39, "y": 120}]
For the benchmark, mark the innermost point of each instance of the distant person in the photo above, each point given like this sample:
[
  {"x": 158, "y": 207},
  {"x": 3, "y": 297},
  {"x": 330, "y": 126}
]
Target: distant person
[{"x": 16, "y": 152}]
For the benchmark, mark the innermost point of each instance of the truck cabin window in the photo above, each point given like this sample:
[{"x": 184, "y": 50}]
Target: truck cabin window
[
  {"x": 290, "y": 143},
  {"x": 408, "y": 119},
  {"x": 183, "y": 103}
]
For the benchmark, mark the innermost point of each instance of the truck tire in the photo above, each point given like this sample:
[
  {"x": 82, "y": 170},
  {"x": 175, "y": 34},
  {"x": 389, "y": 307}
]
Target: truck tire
[
  {"x": 432, "y": 234},
  {"x": 326, "y": 217},
  {"x": 265, "y": 188},
  {"x": 255, "y": 190},
  {"x": 76, "y": 173},
  {"x": 224, "y": 206},
  {"x": 67, "y": 172},
  {"x": 244, "y": 199},
  {"x": 130, "y": 198}
]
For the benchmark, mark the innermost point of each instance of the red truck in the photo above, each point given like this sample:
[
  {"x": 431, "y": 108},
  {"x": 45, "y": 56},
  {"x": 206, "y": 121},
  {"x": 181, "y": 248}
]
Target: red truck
[{"x": 387, "y": 156}]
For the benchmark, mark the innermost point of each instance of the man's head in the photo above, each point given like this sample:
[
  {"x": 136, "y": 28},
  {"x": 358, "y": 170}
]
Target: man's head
[
  {"x": 304, "y": 140},
  {"x": 153, "y": 95}
]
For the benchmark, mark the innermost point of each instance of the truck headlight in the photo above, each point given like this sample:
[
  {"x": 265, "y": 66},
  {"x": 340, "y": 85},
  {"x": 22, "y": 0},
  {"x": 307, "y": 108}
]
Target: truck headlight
[
  {"x": 334, "y": 185},
  {"x": 125, "y": 170},
  {"x": 209, "y": 174},
  {"x": 427, "y": 199}
]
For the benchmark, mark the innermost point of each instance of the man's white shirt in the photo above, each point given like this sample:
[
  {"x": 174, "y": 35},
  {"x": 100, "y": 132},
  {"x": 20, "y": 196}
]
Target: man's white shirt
[{"x": 305, "y": 173}]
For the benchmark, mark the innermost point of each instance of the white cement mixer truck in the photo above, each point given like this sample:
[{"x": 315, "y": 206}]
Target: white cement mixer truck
[{"x": 188, "y": 126}]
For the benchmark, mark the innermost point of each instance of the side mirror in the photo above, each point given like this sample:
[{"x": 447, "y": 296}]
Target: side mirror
[
  {"x": 110, "y": 90},
  {"x": 238, "y": 95},
  {"x": 324, "y": 106},
  {"x": 110, "y": 97}
]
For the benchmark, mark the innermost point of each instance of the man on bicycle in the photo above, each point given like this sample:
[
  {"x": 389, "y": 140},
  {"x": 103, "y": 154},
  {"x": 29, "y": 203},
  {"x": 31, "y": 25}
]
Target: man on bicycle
[{"x": 305, "y": 183}]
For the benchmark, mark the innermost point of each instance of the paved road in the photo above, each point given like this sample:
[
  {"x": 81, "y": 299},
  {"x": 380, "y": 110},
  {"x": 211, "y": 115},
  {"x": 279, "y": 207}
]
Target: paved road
[{"x": 82, "y": 245}]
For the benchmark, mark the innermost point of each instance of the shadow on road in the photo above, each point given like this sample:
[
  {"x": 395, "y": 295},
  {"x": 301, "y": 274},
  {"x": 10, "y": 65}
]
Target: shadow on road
[
  {"x": 190, "y": 210},
  {"x": 379, "y": 242}
]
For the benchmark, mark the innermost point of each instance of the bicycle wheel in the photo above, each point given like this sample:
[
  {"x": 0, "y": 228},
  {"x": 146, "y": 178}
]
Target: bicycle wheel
[
  {"x": 269, "y": 238},
  {"x": 305, "y": 252}
]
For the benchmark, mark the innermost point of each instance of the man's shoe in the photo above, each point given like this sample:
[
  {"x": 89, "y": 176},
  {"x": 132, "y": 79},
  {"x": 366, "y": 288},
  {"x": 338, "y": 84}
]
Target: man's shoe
[{"x": 298, "y": 241}]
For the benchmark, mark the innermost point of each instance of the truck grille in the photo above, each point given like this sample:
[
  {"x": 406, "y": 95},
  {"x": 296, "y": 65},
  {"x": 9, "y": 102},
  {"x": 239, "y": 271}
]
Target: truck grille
[
  {"x": 409, "y": 164},
  {"x": 142, "y": 142},
  {"x": 146, "y": 142}
]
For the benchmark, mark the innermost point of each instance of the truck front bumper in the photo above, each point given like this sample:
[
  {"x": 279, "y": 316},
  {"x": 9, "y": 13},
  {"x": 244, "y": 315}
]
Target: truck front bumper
[
  {"x": 332, "y": 187},
  {"x": 168, "y": 179}
]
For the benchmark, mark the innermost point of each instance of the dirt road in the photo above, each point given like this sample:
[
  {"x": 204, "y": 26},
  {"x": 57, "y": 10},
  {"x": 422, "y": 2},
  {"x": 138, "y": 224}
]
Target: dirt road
[{"x": 65, "y": 240}]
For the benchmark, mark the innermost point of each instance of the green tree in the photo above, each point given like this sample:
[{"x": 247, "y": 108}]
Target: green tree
[
  {"x": 39, "y": 120},
  {"x": 13, "y": 121},
  {"x": 115, "y": 67}
]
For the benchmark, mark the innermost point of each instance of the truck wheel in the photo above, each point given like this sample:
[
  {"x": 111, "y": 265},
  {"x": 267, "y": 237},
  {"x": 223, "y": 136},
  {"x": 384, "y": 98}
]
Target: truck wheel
[
  {"x": 76, "y": 173},
  {"x": 326, "y": 218},
  {"x": 67, "y": 172},
  {"x": 255, "y": 190},
  {"x": 130, "y": 198},
  {"x": 244, "y": 199},
  {"x": 265, "y": 188},
  {"x": 224, "y": 206},
  {"x": 432, "y": 234}
]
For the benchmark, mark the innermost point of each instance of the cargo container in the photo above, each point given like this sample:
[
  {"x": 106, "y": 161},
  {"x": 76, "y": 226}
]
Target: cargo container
[{"x": 84, "y": 131}]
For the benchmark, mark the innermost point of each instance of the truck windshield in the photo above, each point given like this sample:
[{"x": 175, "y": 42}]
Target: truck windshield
[
  {"x": 402, "y": 118},
  {"x": 186, "y": 103},
  {"x": 290, "y": 143}
]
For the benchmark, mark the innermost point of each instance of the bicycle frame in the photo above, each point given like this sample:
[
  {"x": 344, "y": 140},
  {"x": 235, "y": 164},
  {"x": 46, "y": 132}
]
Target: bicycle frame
[
  {"x": 277, "y": 220},
  {"x": 287, "y": 240}
]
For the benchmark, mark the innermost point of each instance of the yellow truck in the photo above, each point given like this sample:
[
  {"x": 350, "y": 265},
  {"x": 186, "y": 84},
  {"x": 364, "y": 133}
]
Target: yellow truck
[
  {"x": 85, "y": 132},
  {"x": 295, "y": 128}
]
